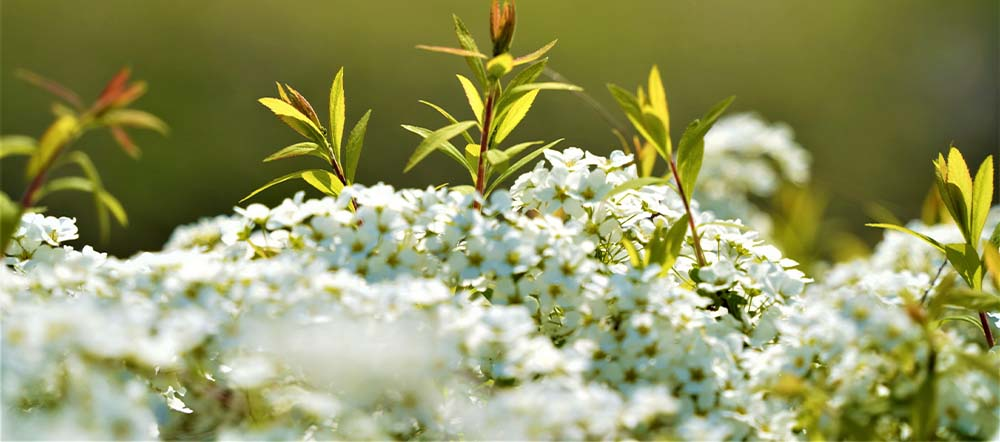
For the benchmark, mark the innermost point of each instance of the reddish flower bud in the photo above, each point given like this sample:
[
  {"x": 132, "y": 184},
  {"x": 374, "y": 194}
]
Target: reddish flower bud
[{"x": 502, "y": 21}]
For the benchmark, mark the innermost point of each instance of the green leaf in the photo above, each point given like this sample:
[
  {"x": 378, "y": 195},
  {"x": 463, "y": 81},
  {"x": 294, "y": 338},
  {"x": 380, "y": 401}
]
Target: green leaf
[
  {"x": 114, "y": 206},
  {"x": 636, "y": 183},
  {"x": 975, "y": 300},
  {"x": 691, "y": 149},
  {"x": 448, "y": 117},
  {"x": 524, "y": 161},
  {"x": 472, "y": 95},
  {"x": 323, "y": 181},
  {"x": 547, "y": 86},
  {"x": 517, "y": 111},
  {"x": 633, "y": 254},
  {"x": 445, "y": 146},
  {"x": 10, "y": 218},
  {"x": 294, "y": 119},
  {"x": 135, "y": 118},
  {"x": 921, "y": 236},
  {"x": 633, "y": 110},
  {"x": 338, "y": 112},
  {"x": 656, "y": 249},
  {"x": 274, "y": 182},
  {"x": 62, "y": 131},
  {"x": 468, "y": 43},
  {"x": 80, "y": 184},
  {"x": 965, "y": 260},
  {"x": 982, "y": 198},
  {"x": 538, "y": 53},
  {"x": 452, "y": 51},
  {"x": 297, "y": 150},
  {"x": 355, "y": 141},
  {"x": 83, "y": 160},
  {"x": 924, "y": 411},
  {"x": 674, "y": 241},
  {"x": 658, "y": 97},
  {"x": 17, "y": 145},
  {"x": 529, "y": 74},
  {"x": 656, "y": 133},
  {"x": 516, "y": 149}
]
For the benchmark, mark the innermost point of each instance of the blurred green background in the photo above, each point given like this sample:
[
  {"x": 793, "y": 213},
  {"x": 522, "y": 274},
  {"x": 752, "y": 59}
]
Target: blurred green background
[{"x": 873, "y": 88}]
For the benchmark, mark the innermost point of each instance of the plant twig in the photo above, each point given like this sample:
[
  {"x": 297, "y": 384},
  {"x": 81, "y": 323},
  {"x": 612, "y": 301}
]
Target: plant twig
[
  {"x": 699, "y": 253},
  {"x": 484, "y": 143}
]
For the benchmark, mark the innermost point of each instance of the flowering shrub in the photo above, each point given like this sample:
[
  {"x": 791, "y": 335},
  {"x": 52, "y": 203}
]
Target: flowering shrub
[{"x": 590, "y": 301}]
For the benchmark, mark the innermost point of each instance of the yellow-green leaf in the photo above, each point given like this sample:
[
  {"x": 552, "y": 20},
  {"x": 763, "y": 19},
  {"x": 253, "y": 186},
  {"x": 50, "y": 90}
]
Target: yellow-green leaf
[
  {"x": 56, "y": 137},
  {"x": 925, "y": 238},
  {"x": 435, "y": 140},
  {"x": 17, "y": 145},
  {"x": 274, "y": 182},
  {"x": 299, "y": 149},
  {"x": 633, "y": 253},
  {"x": 114, "y": 206},
  {"x": 135, "y": 118},
  {"x": 674, "y": 240},
  {"x": 323, "y": 181},
  {"x": 451, "y": 119},
  {"x": 517, "y": 111},
  {"x": 658, "y": 97},
  {"x": 523, "y": 161},
  {"x": 982, "y": 198},
  {"x": 294, "y": 119},
  {"x": 538, "y": 53},
  {"x": 452, "y": 51},
  {"x": 338, "y": 111},
  {"x": 472, "y": 95},
  {"x": 468, "y": 43}
]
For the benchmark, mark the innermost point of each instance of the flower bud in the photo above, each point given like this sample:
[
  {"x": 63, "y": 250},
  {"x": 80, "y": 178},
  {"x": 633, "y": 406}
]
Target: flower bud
[{"x": 502, "y": 21}]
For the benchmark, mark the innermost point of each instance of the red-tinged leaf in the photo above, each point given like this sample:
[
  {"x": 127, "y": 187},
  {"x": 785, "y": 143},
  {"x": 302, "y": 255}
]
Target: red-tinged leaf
[
  {"x": 123, "y": 140},
  {"x": 296, "y": 99},
  {"x": 130, "y": 94},
  {"x": 452, "y": 51},
  {"x": 52, "y": 87},
  {"x": 113, "y": 89}
]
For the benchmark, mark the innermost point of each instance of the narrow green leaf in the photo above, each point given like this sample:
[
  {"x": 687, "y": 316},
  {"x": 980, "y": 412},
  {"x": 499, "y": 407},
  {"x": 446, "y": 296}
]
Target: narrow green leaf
[
  {"x": 468, "y": 43},
  {"x": 472, "y": 95},
  {"x": 114, "y": 206},
  {"x": 274, "y": 182},
  {"x": 964, "y": 258},
  {"x": 76, "y": 183},
  {"x": 633, "y": 110},
  {"x": 691, "y": 149},
  {"x": 924, "y": 411},
  {"x": 546, "y": 86},
  {"x": 538, "y": 53},
  {"x": 17, "y": 145},
  {"x": 451, "y": 119},
  {"x": 452, "y": 51},
  {"x": 62, "y": 131},
  {"x": 338, "y": 112},
  {"x": 135, "y": 118},
  {"x": 636, "y": 183},
  {"x": 656, "y": 133},
  {"x": 440, "y": 140},
  {"x": 529, "y": 74},
  {"x": 982, "y": 198},
  {"x": 516, "y": 149},
  {"x": 674, "y": 241},
  {"x": 10, "y": 218},
  {"x": 975, "y": 300},
  {"x": 633, "y": 253},
  {"x": 656, "y": 248},
  {"x": 294, "y": 119},
  {"x": 513, "y": 116},
  {"x": 355, "y": 142},
  {"x": 524, "y": 161},
  {"x": 323, "y": 181},
  {"x": 921, "y": 236},
  {"x": 299, "y": 149},
  {"x": 81, "y": 159}
]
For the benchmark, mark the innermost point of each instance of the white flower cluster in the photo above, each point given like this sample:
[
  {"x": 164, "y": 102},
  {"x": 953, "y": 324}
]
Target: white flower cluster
[
  {"x": 415, "y": 316},
  {"x": 747, "y": 159}
]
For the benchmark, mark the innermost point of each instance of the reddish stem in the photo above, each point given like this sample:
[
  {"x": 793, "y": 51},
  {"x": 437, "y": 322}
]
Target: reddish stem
[
  {"x": 986, "y": 329},
  {"x": 699, "y": 253},
  {"x": 484, "y": 144}
]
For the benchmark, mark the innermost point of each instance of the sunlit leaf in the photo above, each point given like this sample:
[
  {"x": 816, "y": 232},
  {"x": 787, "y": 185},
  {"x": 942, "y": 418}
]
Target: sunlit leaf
[
  {"x": 294, "y": 119},
  {"x": 517, "y": 111},
  {"x": 691, "y": 148},
  {"x": 446, "y": 147},
  {"x": 472, "y": 95},
  {"x": 975, "y": 300},
  {"x": 658, "y": 97},
  {"x": 274, "y": 182},
  {"x": 538, "y": 53},
  {"x": 516, "y": 149},
  {"x": 523, "y": 161},
  {"x": 299, "y": 149},
  {"x": 323, "y": 181},
  {"x": 61, "y": 132},
  {"x": 964, "y": 258},
  {"x": 982, "y": 197},
  {"x": 656, "y": 133},
  {"x": 17, "y": 145},
  {"x": 134, "y": 118},
  {"x": 674, "y": 240},
  {"x": 468, "y": 43},
  {"x": 633, "y": 254},
  {"x": 60, "y": 184},
  {"x": 355, "y": 142},
  {"x": 451, "y": 119},
  {"x": 452, "y": 51},
  {"x": 299, "y": 102},
  {"x": 10, "y": 217},
  {"x": 435, "y": 140},
  {"x": 921, "y": 236},
  {"x": 338, "y": 112},
  {"x": 546, "y": 86}
]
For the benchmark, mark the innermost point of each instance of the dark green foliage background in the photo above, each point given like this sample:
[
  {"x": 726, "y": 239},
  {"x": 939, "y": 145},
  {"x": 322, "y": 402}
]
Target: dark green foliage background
[{"x": 873, "y": 88}]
